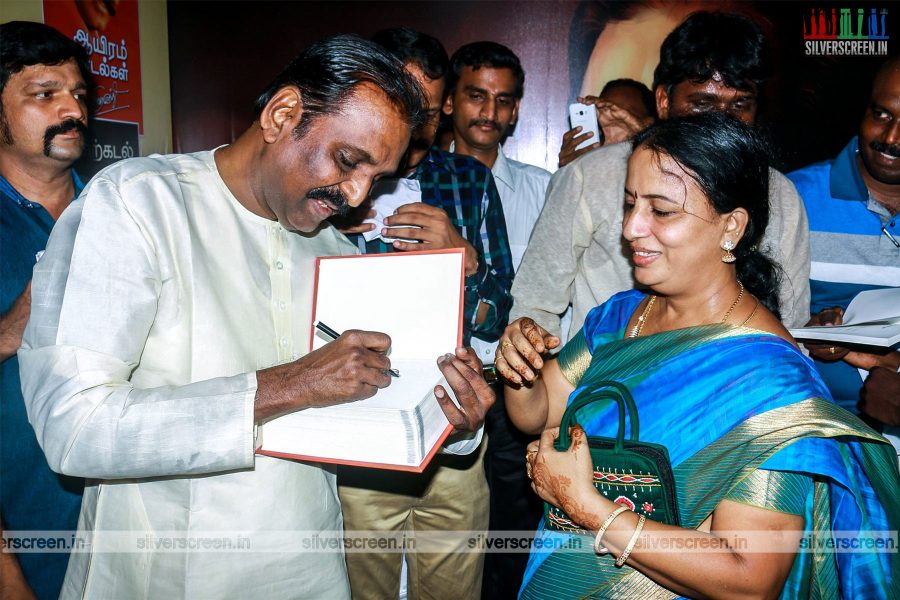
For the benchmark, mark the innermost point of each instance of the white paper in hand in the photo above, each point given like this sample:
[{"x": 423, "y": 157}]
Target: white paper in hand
[
  {"x": 873, "y": 305},
  {"x": 387, "y": 196}
]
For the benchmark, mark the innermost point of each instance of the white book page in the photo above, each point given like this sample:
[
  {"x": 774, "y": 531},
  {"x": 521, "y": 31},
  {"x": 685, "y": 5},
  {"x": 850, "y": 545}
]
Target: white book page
[
  {"x": 872, "y": 318},
  {"x": 413, "y": 298},
  {"x": 874, "y": 305}
]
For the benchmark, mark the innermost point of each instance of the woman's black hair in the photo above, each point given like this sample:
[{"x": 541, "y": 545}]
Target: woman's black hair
[{"x": 729, "y": 161}]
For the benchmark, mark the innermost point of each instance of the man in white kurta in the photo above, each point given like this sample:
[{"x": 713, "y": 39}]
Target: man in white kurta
[
  {"x": 171, "y": 316},
  {"x": 179, "y": 293}
]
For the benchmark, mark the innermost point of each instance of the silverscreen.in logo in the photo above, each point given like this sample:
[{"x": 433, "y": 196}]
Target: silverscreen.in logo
[{"x": 853, "y": 31}]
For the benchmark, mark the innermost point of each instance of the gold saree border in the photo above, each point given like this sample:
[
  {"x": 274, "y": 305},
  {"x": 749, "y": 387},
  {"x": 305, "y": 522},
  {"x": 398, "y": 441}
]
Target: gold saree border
[{"x": 755, "y": 441}]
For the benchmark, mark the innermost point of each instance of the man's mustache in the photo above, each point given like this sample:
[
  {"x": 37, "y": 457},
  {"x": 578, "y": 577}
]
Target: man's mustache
[
  {"x": 892, "y": 150},
  {"x": 484, "y": 122},
  {"x": 333, "y": 196},
  {"x": 65, "y": 126}
]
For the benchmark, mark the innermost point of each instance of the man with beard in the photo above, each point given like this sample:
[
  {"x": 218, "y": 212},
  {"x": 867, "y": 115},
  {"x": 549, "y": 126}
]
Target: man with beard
[
  {"x": 447, "y": 201},
  {"x": 171, "y": 319},
  {"x": 43, "y": 118},
  {"x": 852, "y": 204}
]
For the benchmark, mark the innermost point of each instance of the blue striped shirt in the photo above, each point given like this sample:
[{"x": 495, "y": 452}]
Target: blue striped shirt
[{"x": 849, "y": 250}]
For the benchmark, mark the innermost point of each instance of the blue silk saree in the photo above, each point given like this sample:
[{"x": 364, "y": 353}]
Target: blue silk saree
[{"x": 726, "y": 401}]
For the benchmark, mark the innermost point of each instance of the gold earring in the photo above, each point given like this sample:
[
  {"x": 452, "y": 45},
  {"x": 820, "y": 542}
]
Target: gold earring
[{"x": 728, "y": 257}]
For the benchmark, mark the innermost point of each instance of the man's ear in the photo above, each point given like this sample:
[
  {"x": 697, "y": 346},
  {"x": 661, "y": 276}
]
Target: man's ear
[
  {"x": 281, "y": 114},
  {"x": 735, "y": 225},
  {"x": 515, "y": 113},
  {"x": 447, "y": 106},
  {"x": 662, "y": 102}
]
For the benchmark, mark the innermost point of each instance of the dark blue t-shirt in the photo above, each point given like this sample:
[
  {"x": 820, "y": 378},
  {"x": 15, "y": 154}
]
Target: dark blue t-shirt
[{"x": 32, "y": 497}]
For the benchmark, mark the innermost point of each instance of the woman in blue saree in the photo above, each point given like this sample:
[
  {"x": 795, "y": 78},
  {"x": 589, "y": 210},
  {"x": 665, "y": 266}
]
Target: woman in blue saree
[{"x": 759, "y": 451}]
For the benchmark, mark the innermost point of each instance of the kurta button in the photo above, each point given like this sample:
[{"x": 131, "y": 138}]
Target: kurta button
[{"x": 279, "y": 265}]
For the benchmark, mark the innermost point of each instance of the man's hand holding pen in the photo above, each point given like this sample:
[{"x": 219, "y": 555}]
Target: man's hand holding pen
[
  {"x": 331, "y": 334},
  {"x": 353, "y": 367}
]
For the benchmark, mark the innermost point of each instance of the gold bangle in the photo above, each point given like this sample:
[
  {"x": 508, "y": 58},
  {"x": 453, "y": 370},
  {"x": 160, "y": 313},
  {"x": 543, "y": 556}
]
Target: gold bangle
[
  {"x": 601, "y": 550},
  {"x": 634, "y": 538}
]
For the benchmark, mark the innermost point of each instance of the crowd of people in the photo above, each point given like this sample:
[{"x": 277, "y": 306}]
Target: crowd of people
[{"x": 152, "y": 319}]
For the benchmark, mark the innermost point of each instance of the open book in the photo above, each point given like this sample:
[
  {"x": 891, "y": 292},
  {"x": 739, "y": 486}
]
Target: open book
[
  {"x": 417, "y": 299},
  {"x": 871, "y": 319}
]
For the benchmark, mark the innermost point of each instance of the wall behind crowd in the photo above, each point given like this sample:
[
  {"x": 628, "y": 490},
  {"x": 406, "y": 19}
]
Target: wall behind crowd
[
  {"x": 157, "y": 136},
  {"x": 223, "y": 53},
  {"x": 242, "y": 45}
]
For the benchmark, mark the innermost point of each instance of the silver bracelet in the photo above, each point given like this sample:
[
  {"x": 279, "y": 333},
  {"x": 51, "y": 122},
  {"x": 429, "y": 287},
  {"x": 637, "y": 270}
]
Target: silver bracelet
[
  {"x": 597, "y": 547},
  {"x": 634, "y": 538}
]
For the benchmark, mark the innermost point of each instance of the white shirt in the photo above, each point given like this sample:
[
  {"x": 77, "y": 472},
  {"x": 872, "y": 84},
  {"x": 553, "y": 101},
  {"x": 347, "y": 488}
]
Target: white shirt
[
  {"x": 158, "y": 298},
  {"x": 522, "y": 189}
]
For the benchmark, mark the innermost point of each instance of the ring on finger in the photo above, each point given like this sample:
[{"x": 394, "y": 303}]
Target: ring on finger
[{"x": 507, "y": 344}]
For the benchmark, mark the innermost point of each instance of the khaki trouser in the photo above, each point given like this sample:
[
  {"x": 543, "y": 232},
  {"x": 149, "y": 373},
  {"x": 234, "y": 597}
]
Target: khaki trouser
[{"x": 451, "y": 495}]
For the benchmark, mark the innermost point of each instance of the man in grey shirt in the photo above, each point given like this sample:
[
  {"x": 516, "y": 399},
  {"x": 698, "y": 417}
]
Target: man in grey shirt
[{"x": 712, "y": 61}]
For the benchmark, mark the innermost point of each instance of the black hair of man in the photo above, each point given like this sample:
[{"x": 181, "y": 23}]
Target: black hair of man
[
  {"x": 328, "y": 72},
  {"x": 707, "y": 43},
  {"x": 420, "y": 49},
  {"x": 486, "y": 54},
  {"x": 647, "y": 97},
  {"x": 25, "y": 44}
]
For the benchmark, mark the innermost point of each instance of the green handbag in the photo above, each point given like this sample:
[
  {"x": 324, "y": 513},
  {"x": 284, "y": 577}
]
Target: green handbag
[{"x": 635, "y": 474}]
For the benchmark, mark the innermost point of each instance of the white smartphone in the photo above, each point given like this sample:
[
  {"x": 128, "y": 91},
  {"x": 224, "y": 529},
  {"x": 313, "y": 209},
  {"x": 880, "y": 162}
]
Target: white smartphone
[{"x": 585, "y": 116}]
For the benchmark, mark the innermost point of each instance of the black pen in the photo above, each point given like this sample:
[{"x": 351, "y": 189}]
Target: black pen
[{"x": 335, "y": 335}]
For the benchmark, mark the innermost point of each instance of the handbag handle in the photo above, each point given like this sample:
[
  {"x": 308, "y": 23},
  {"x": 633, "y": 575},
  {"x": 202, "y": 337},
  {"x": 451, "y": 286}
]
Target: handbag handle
[{"x": 609, "y": 390}]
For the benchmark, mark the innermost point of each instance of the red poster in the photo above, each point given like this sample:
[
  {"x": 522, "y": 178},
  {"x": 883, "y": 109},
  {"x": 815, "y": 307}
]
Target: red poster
[{"x": 108, "y": 29}]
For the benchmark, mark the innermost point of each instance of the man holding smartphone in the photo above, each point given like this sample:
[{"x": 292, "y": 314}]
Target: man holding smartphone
[
  {"x": 712, "y": 61},
  {"x": 623, "y": 108}
]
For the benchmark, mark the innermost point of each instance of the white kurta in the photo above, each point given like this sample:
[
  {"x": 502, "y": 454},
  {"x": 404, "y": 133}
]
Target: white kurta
[{"x": 157, "y": 299}]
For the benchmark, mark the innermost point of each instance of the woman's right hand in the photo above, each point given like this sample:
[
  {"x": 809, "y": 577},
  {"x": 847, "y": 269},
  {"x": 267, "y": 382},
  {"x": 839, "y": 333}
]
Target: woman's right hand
[{"x": 519, "y": 350}]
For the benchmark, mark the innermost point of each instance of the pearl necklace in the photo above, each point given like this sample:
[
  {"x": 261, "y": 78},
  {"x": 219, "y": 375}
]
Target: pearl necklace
[{"x": 639, "y": 326}]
